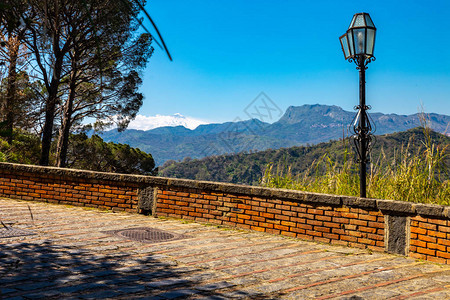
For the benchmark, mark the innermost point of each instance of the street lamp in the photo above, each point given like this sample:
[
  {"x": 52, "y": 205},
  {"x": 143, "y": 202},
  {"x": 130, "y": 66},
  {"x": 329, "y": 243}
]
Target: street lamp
[{"x": 358, "y": 44}]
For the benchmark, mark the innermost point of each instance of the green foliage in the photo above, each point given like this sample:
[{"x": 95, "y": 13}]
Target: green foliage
[
  {"x": 329, "y": 167},
  {"x": 94, "y": 154},
  {"x": 416, "y": 174},
  {"x": 25, "y": 148},
  {"x": 302, "y": 125}
]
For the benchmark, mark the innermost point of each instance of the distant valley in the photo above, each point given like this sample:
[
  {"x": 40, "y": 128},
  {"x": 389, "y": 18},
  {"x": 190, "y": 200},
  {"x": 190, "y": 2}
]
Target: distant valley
[{"x": 300, "y": 125}]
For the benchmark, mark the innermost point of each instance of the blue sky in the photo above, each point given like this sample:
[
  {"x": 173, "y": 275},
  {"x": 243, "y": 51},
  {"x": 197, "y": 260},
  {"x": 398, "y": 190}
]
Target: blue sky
[{"x": 226, "y": 52}]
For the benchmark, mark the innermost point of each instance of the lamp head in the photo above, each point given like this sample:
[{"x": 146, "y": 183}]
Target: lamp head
[{"x": 359, "y": 40}]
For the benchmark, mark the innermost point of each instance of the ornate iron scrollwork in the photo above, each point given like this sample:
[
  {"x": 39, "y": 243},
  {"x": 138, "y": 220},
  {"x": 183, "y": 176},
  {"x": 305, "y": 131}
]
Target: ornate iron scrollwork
[
  {"x": 361, "y": 62},
  {"x": 362, "y": 132}
]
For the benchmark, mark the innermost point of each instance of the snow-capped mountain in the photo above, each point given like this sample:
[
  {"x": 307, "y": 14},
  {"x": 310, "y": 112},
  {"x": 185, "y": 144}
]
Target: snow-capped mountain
[{"x": 142, "y": 122}]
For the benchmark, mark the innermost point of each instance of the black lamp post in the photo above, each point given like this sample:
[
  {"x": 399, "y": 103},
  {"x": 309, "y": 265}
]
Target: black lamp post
[{"x": 358, "y": 44}]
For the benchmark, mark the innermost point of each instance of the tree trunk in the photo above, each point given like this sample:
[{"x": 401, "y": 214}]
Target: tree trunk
[
  {"x": 50, "y": 107},
  {"x": 13, "y": 49},
  {"x": 64, "y": 132}
]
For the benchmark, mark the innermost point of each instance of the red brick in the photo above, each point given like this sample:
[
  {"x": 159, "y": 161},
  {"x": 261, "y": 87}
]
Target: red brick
[
  {"x": 331, "y": 224},
  {"x": 444, "y": 242},
  {"x": 426, "y": 251},
  {"x": 436, "y": 234},
  {"x": 436, "y": 259},
  {"x": 305, "y": 237},
  {"x": 418, "y": 230},
  {"x": 366, "y": 241},
  {"x": 367, "y": 229},
  {"x": 322, "y": 229},
  {"x": 299, "y": 209},
  {"x": 420, "y": 219},
  {"x": 331, "y": 236},
  {"x": 289, "y": 213},
  {"x": 282, "y": 217},
  {"x": 267, "y": 215},
  {"x": 436, "y": 247},
  {"x": 341, "y": 220},
  {"x": 314, "y": 222},
  {"x": 286, "y": 223},
  {"x": 444, "y": 228},
  {"x": 274, "y": 211},
  {"x": 287, "y": 233},
  {"x": 443, "y": 254},
  {"x": 281, "y": 227},
  {"x": 348, "y": 238},
  {"x": 321, "y": 239},
  {"x": 315, "y": 211},
  {"x": 358, "y": 222},
  {"x": 283, "y": 207},
  {"x": 427, "y": 226},
  {"x": 273, "y": 231},
  {"x": 252, "y": 213},
  {"x": 427, "y": 238},
  {"x": 298, "y": 220},
  {"x": 375, "y": 237},
  {"x": 262, "y": 229},
  {"x": 313, "y": 233},
  {"x": 367, "y": 217},
  {"x": 298, "y": 230},
  {"x": 350, "y": 215},
  {"x": 376, "y": 224},
  {"x": 304, "y": 226},
  {"x": 438, "y": 222},
  {"x": 323, "y": 218},
  {"x": 265, "y": 225}
]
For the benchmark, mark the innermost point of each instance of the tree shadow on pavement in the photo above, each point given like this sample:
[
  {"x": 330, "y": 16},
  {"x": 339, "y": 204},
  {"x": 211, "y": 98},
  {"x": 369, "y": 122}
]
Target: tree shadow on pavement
[{"x": 49, "y": 270}]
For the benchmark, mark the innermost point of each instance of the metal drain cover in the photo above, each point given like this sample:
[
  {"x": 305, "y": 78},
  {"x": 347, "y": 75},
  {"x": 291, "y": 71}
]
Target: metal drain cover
[
  {"x": 13, "y": 232},
  {"x": 146, "y": 235}
]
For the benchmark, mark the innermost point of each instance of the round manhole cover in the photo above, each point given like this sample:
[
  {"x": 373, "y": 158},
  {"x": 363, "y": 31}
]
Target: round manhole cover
[{"x": 147, "y": 235}]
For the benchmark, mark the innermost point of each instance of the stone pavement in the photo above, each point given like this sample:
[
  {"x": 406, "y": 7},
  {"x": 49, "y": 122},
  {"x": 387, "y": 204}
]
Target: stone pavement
[{"x": 71, "y": 256}]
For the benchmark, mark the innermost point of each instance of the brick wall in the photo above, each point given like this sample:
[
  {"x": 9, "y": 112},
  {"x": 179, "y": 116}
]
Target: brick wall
[
  {"x": 430, "y": 239},
  {"x": 53, "y": 186},
  {"x": 309, "y": 220},
  {"x": 419, "y": 230}
]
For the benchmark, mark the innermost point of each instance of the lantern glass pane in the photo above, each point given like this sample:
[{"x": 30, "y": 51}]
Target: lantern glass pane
[
  {"x": 352, "y": 22},
  {"x": 344, "y": 45},
  {"x": 350, "y": 42},
  {"x": 369, "y": 22},
  {"x": 370, "y": 41},
  {"x": 359, "y": 21},
  {"x": 359, "y": 39}
]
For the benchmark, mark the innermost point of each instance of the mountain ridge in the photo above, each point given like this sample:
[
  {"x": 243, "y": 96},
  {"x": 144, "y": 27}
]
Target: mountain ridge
[{"x": 299, "y": 125}]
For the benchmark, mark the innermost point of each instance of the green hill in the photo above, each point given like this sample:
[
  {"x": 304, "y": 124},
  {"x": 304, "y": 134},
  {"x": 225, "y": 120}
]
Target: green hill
[{"x": 248, "y": 168}]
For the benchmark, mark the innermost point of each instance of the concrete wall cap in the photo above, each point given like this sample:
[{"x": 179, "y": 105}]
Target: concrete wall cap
[
  {"x": 396, "y": 206},
  {"x": 359, "y": 202},
  {"x": 430, "y": 210}
]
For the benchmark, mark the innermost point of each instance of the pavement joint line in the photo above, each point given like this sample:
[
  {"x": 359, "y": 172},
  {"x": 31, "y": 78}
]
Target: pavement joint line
[
  {"x": 236, "y": 255},
  {"x": 193, "y": 247},
  {"x": 220, "y": 250},
  {"x": 131, "y": 271},
  {"x": 283, "y": 267},
  {"x": 270, "y": 259},
  {"x": 302, "y": 287},
  {"x": 329, "y": 268},
  {"x": 179, "y": 248},
  {"x": 385, "y": 283},
  {"x": 419, "y": 293}
]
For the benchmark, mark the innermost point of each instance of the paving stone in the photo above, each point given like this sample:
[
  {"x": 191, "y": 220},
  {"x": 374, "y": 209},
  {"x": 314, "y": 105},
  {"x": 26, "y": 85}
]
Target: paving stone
[
  {"x": 70, "y": 257},
  {"x": 177, "y": 294}
]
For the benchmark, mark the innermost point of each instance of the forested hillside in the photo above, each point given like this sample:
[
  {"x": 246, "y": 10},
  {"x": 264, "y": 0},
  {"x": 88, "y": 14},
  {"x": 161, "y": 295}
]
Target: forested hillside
[
  {"x": 248, "y": 168},
  {"x": 300, "y": 125}
]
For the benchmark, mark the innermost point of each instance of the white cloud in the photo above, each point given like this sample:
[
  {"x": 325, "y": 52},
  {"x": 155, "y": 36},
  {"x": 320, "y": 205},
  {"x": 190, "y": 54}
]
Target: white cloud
[{"x": 142, "y": 122}]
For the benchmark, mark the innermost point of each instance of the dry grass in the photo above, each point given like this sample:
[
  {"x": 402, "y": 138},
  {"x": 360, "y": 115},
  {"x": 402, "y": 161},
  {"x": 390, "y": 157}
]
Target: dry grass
[{"x": 422, "y": 176}]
